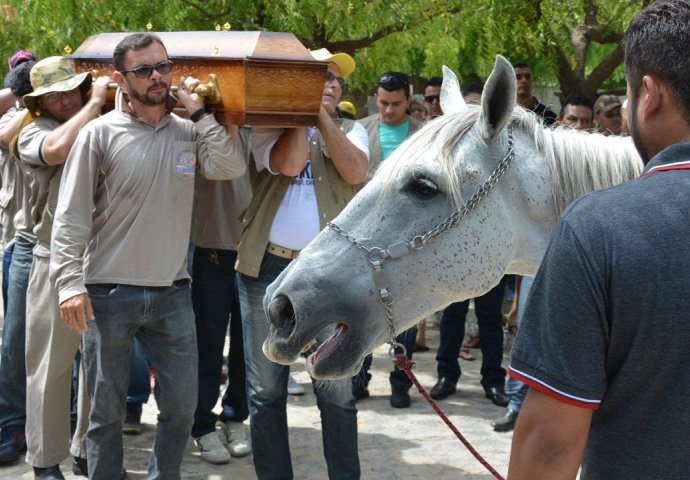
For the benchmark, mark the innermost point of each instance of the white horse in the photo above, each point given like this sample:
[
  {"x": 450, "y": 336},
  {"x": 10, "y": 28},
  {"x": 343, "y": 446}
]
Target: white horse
[{"x": 415, "y": 239}]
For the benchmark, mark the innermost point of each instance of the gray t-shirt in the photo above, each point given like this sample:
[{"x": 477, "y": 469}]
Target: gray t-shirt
[
  {"x": 125, "y": 204},
  {"x": 605, "y": 323}
]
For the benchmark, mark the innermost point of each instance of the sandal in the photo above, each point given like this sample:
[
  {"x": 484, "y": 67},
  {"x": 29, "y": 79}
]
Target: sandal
[
  {"x": 472, "y": 342},
  {"x": 420, "y": 348},
  {"x": 466, "y": 355}
]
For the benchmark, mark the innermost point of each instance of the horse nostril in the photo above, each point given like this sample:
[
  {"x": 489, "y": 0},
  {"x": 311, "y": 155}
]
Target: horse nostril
[{"x": 281, "y": 314}]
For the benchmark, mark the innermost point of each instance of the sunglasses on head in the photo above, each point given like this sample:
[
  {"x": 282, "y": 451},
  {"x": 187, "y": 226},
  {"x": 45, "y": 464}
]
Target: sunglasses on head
[
  {"x": 431, "y": 98},
  {"x": 145, "y": 71},
  {"x": 330, "y": 77},
  {"x": 392, "y": 81}
]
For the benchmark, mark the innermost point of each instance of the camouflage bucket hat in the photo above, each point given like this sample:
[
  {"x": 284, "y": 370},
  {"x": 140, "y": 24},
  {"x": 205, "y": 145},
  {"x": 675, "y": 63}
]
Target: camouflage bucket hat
[{"x": 53, "y": 75}]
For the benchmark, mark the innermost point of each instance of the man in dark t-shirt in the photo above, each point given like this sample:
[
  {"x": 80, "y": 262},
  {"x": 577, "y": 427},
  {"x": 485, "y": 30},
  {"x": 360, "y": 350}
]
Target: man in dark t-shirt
[
  {"x": 525, "y": 97},
  {"x": 603, "y": 343}
]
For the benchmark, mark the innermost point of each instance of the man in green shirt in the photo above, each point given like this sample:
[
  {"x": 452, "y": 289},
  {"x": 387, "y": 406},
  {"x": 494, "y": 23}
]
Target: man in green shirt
[{"x": 387, "y": 130}]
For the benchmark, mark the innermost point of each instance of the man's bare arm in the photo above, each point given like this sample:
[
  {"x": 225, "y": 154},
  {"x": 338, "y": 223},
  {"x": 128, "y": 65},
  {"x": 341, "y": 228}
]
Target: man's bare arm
[
  {"x": 290, "y": 153},
  {"x": 549, "y": 439},
  {"x": 350, "y": 161}
]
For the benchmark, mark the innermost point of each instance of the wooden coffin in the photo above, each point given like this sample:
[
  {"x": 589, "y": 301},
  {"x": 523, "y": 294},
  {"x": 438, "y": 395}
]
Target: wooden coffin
[{"x": 264, "y": 78}]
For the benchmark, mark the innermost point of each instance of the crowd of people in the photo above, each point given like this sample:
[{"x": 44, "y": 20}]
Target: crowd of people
[{"x": 137, "y": 234}]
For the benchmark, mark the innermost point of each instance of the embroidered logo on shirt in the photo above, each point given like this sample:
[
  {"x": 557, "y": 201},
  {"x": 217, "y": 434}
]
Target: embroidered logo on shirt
[{"x": 186, "y": 163}]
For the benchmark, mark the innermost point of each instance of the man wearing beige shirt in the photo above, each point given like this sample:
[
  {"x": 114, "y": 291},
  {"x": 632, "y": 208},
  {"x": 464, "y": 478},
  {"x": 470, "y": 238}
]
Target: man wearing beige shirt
[{"x": 119, "y": 249}]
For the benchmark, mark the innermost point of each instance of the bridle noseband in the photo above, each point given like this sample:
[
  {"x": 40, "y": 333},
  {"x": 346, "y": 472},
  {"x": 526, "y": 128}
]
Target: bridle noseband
[{"x": 377, "y": 255}]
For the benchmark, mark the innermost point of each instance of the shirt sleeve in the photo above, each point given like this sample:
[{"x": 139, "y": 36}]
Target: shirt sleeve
[
  {"x": 73, "y": 216},
  {"x": 359, "y": 138},
  {"x": 263, "y": 140},
  {"x": 562, "y": 342},
  {"x": 30, "y": 144},
  {"x": 220, "y": 157}
]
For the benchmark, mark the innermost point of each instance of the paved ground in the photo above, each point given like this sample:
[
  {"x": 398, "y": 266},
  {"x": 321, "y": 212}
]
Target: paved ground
[{"x": 394, "y": 444}]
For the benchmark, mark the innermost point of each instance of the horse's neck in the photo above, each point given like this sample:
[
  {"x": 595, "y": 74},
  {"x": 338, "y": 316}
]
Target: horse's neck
[{"x": 583, "y": 162}]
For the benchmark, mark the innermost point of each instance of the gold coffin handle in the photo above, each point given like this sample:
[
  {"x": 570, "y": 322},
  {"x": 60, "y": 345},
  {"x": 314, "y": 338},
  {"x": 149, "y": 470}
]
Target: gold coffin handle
[{"x": 209, "y": 90}]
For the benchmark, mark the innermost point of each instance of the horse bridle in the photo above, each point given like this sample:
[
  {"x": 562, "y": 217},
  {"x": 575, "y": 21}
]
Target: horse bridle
[{"x": 397, "y": 250}]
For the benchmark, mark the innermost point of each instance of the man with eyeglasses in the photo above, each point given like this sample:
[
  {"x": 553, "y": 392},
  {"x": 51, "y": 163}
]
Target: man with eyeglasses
[
  {"x": 432, "y": 97},
  {"x": 58, "y": 107},
  {"x": 304, "y": 178},
  {"x": 525, "y": 97},
  {"x": 387, "y": 130},
  {"x": 119, "y": 249}
]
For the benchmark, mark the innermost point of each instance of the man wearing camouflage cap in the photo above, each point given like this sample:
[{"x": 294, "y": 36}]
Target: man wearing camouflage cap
[
  {"x": 59, "y": 107},
  {"x": 607, "y": 114}
]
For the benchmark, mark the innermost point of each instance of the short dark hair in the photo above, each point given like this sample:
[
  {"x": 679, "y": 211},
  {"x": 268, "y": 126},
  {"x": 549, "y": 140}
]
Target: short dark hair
[
  {"x": 19, "y": 79},
  {"x": 135, "y": 41},
  {"x": 657, "y": 43},
  {"x": 476, "y": 87},
  {"x": 521, "y": 65},
  {"x": 433, "y": 82},
  {"x": 394, "y": 81},
  {"x": 577, "y": 100}
]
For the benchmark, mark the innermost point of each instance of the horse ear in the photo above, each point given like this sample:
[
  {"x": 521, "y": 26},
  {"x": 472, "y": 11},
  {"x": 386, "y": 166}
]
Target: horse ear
[
  {"x": 498, "y": 98},
  {"x": 451, "y": 97}
]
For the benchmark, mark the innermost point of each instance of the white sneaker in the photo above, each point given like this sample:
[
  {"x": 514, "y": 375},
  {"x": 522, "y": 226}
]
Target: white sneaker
[
  {"x": 294, "y": 388},
  {"x": 211, "y": 448},
  {"x": 237, "y": 438}
]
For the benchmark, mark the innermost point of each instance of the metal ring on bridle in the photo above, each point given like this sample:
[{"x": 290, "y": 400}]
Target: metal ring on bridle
[{"x": 393, "y": 347}]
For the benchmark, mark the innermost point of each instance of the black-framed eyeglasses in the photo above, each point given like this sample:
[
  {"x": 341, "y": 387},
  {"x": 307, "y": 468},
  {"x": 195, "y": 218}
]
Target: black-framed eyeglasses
[
  {"x": 330, "y": 77},
  {"x": 431, "y": 98},
  {"x": 145, "y": 71},
  {"x": 392, "y": 81}
]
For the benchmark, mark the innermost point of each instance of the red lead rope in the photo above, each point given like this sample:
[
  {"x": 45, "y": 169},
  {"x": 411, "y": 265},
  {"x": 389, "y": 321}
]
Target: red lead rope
[{"x": 404, "y": 364}]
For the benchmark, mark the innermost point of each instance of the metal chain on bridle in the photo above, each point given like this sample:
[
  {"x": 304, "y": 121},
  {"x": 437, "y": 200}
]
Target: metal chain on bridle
[{"x": 377, "y": 255}]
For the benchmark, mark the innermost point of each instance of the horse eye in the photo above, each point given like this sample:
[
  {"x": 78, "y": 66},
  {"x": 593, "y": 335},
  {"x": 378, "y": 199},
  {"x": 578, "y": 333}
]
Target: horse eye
[{"x": 424, "y": 187}]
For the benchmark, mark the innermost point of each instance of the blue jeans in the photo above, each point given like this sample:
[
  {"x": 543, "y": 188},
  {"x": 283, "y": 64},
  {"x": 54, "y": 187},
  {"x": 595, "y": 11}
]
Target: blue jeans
[
  {"x": 139, "y": 389},
  {"x": 12, "y": 360},
  {"x": 162, "y": 319},
  {"x": 214, "y": 296},
  {"x": 515, "y": 389},
  {"x": 267, "y": 394},
  {"x": 6, "y": 261},
  {"x": 452, "y": 332}
]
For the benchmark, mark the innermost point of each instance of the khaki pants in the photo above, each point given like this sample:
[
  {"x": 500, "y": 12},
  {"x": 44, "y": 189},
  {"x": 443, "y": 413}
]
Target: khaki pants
[{"x": 50, "y": 349}]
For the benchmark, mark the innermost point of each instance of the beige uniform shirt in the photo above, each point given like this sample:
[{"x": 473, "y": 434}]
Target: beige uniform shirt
[
  {"x": 44, "y": 181},
  {"x": 125, "y": 204},
  {"x": 218, "y": 205}
]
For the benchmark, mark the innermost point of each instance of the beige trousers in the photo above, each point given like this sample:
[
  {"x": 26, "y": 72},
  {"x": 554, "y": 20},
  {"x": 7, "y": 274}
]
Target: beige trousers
[{"x": 50, "y": 349}]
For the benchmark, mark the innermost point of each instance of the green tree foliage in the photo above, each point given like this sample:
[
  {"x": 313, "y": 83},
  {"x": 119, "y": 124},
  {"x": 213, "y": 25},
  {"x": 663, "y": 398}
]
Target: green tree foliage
[{"x": 572, "y": 45}]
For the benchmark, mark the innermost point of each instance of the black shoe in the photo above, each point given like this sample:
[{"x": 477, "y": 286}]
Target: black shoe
[
  {"x": 400, "y": 397},
  {"x": 12, "y": 443},
  {"x": 360, "y": 390},
  {"x": 80, "y": 466},
  {"x": 506, "y": 423},
  {"x": 131, "y": 424},
  {"x": 48, "y": 473},
  {"x": 497, "y": 395},
  {"x": 443, "y": 388}
]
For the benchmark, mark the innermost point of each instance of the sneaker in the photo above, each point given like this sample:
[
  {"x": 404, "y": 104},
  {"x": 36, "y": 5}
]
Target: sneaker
[
  {"x": 211, "y": 448},
  {"x": 12, "y": 443},
  {"x": 131, "y": 425},
  {"x": 236, "y": 438},
  {"x": 294, "y": 388}
]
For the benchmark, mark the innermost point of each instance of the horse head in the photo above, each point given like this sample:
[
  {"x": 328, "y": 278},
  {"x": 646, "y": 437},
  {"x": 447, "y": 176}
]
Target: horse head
[{"x": 463, "y": 201}]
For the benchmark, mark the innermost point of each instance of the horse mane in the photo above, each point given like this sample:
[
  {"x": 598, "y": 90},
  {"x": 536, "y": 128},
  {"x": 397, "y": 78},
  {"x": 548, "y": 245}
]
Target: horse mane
[{"x": 578, "y": 162}]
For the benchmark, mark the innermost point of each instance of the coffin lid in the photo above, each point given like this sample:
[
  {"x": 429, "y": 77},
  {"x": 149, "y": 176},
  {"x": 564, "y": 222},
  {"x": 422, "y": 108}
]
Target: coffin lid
[{"x": 210, "y": 45}]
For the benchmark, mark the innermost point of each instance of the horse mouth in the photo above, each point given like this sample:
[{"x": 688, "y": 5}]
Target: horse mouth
[
  {"x": 330, "y": 345},
  {"x": 288, "y": 339}
]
